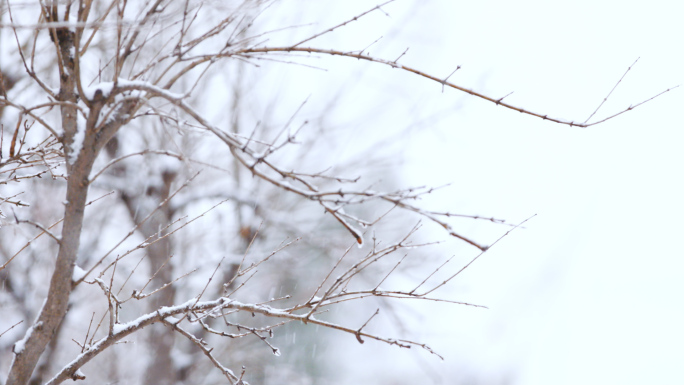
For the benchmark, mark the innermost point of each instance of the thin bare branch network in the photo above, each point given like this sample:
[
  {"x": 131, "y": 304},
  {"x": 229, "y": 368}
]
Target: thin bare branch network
[
  {"x": 249, "y": 52},
  {"x": 97, "y": 91}
]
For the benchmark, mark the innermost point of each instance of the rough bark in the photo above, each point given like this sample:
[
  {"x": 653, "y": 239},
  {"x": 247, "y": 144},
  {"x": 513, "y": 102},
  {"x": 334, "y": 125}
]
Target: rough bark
[
  {"x": 57, "y": 301},
  {"x": 79, "y": 165},
  {"x": 55, "y": 307}
]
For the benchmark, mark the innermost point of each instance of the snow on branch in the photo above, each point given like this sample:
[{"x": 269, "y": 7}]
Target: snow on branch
[
  {"x": 329, "y": 292},
  {"x": 198, "y": 309},
  {"x": 261, "y": 167}
]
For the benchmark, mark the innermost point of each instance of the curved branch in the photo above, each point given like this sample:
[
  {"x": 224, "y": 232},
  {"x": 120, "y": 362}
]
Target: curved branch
[
  {"x": 120, "y": 331},
  {"x": 360, "y": 56}
]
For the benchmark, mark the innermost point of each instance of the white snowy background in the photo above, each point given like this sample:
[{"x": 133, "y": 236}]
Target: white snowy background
[{"x": 591, "y": 290}]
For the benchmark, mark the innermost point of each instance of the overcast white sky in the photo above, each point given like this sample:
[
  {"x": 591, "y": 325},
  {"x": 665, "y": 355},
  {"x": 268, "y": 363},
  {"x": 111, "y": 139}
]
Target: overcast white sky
[{"x": 591, "y": 291}]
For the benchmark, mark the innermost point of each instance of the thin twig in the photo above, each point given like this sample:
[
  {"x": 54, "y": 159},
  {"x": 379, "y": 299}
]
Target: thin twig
[{"x": 611, "y": 91}]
